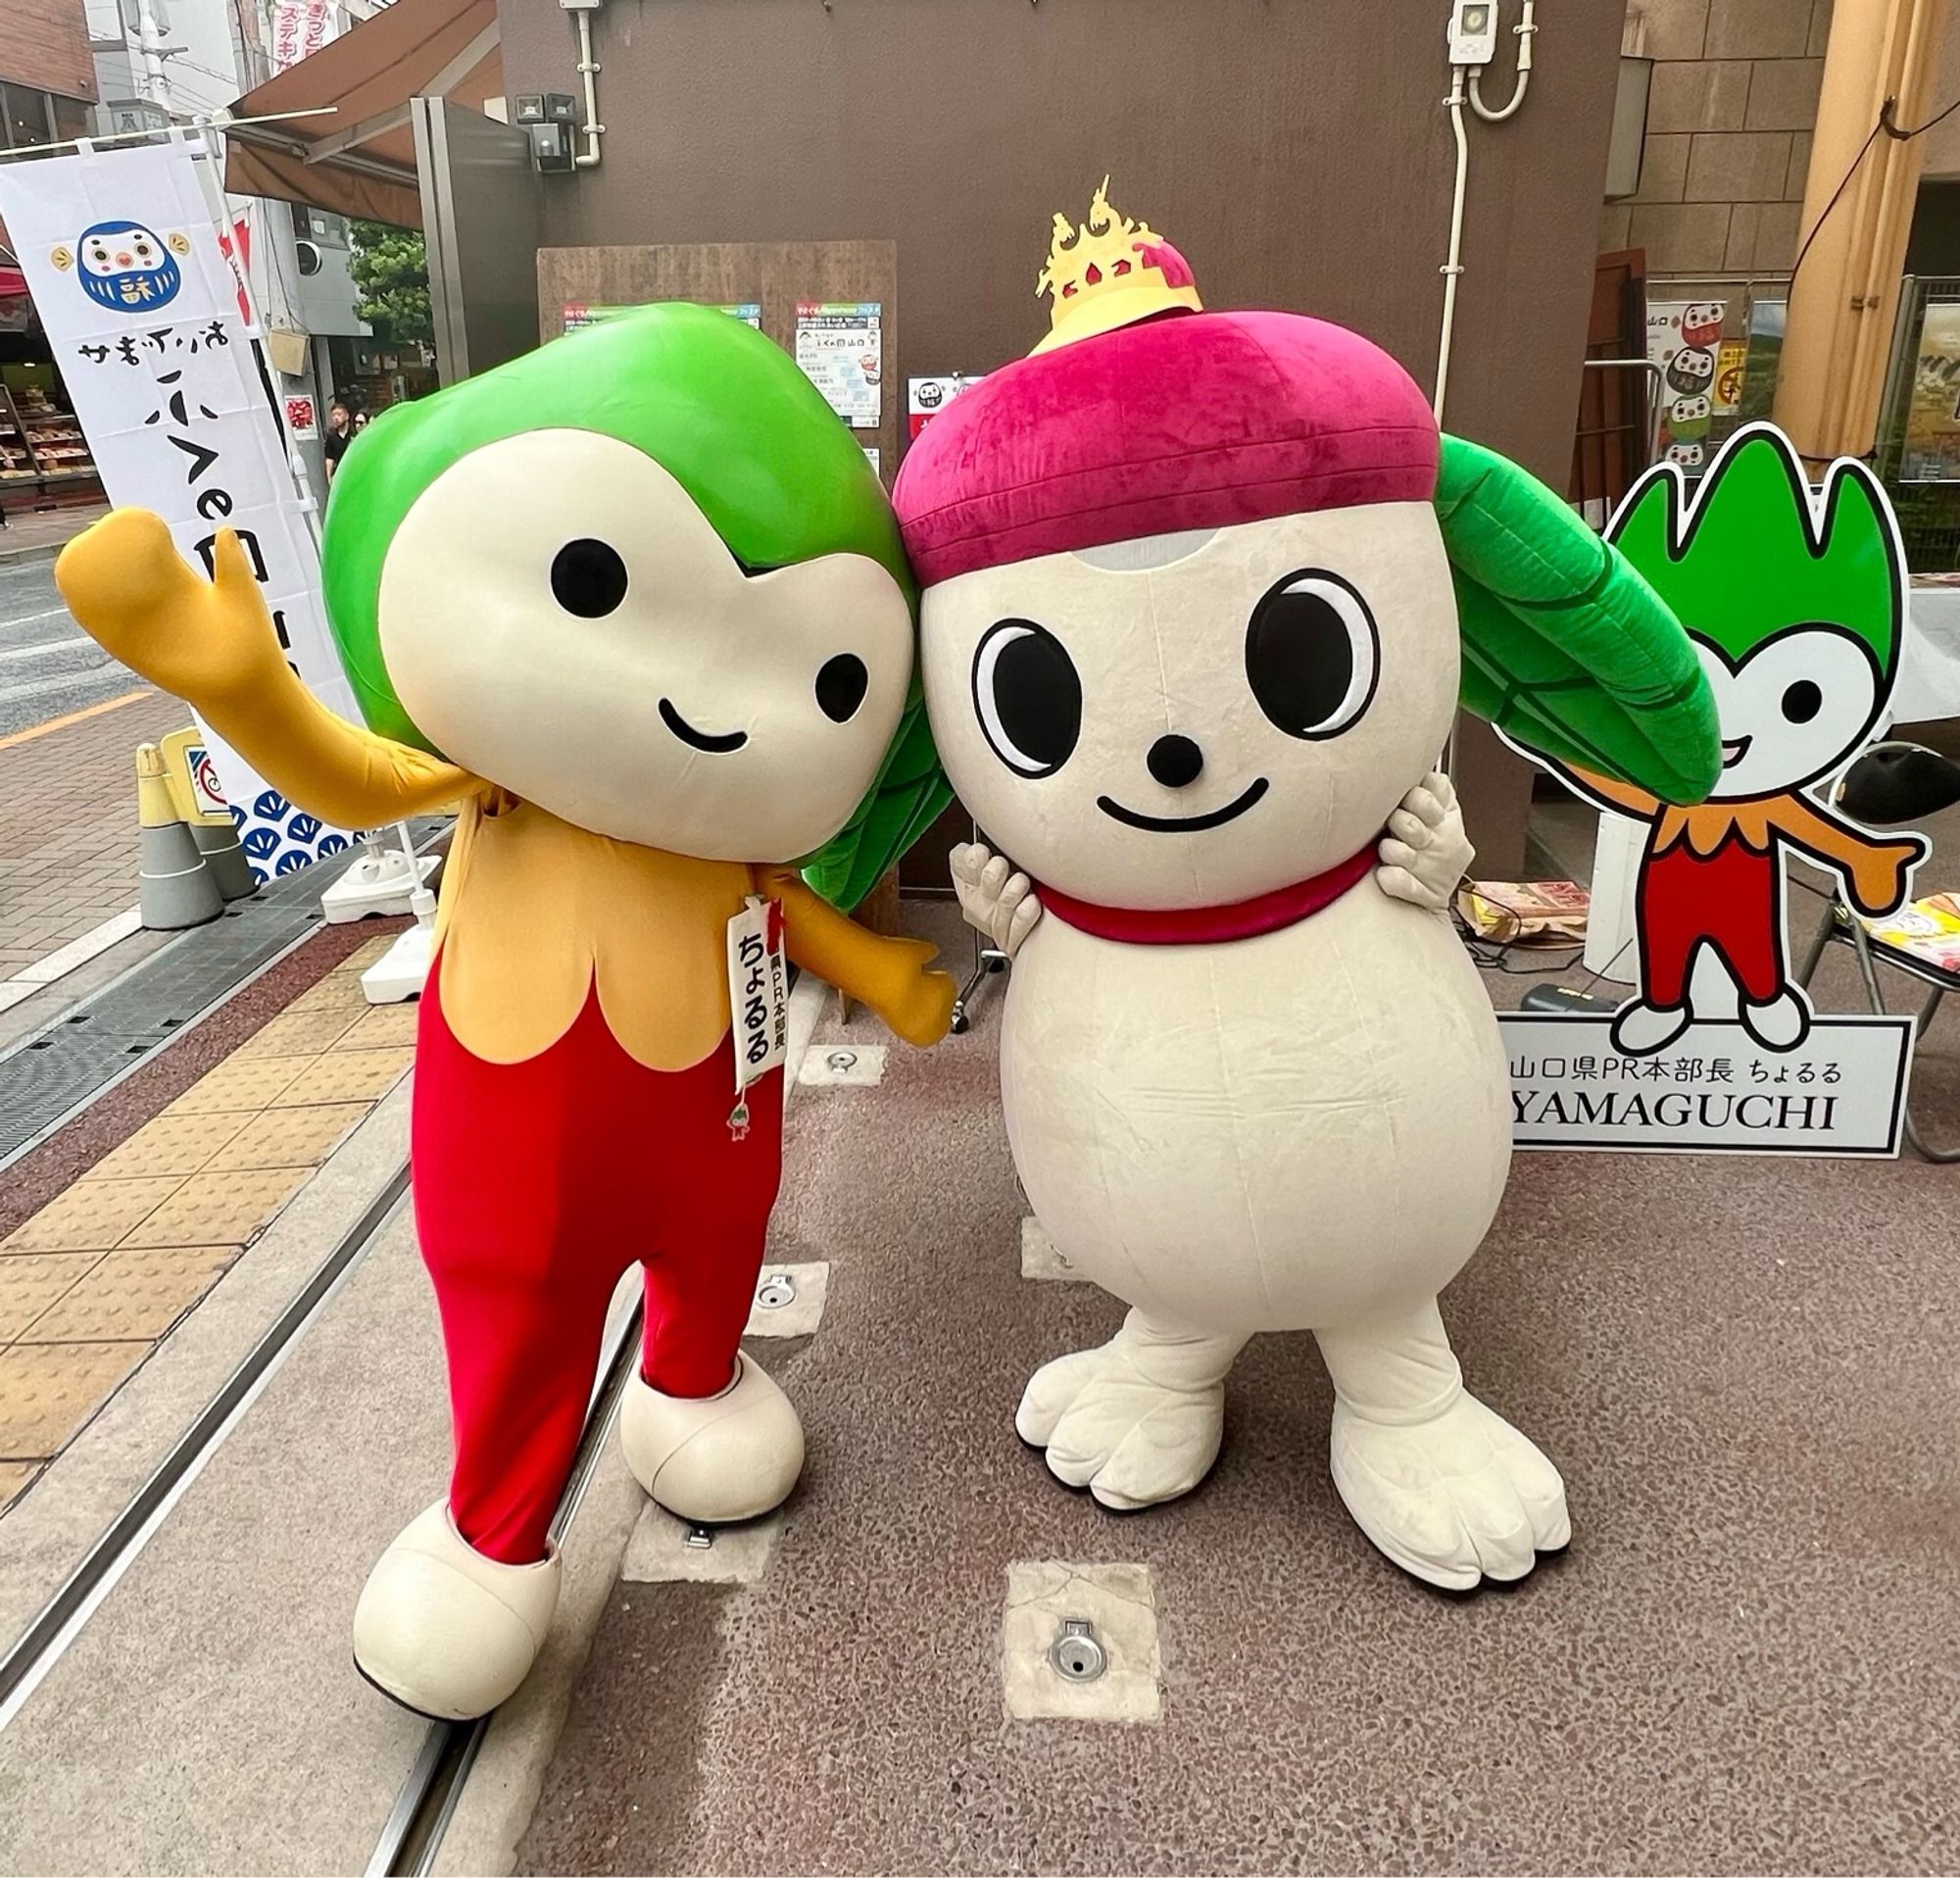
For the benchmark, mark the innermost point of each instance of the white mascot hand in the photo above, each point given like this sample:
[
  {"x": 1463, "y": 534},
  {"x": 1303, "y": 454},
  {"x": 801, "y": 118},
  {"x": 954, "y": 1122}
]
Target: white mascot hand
[
  {"x": 1000, "y": 903},
  {"x": 1424, "y": 853}
]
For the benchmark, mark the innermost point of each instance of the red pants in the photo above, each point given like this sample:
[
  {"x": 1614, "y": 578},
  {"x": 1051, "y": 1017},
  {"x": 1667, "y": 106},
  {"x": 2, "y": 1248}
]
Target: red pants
[
  {"x": 1730, "y": 900},
  {"x": 536, "y": 1185}
]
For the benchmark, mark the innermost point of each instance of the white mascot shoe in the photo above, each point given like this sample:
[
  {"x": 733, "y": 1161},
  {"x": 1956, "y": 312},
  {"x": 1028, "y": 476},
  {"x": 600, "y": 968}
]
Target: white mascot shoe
[
  {"x": 446, "y": 1631},
  {"x": 716, "y": 1458},
  {"x": 1455, "y": 1499},
  {"x": 1137, "y": 1422}
]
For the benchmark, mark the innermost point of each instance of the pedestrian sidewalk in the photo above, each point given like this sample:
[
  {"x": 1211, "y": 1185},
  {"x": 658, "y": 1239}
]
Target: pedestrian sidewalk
[
  {"x": 67, "y": 821},
  {"x": 39, "y": 534},
  {"x": 93, "y": 1281}
]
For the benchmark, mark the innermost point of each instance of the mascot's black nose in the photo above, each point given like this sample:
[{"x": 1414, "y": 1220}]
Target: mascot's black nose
[{"x": 1174, "y": 762}]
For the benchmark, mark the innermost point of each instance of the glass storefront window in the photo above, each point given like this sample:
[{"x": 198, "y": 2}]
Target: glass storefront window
[
  {"x": 29, "y": 121},
  {"x": 72, "y": 118}
]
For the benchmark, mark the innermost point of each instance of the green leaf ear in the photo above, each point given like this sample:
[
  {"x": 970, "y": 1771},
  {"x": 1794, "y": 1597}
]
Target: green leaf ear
[
  {"x": 903, "y": 804},
  {"x": 1566, "y": 650}
]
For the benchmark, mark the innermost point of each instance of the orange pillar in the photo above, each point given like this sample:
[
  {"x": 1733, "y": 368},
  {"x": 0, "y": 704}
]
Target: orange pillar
[{"x": 1844, "y": 298}]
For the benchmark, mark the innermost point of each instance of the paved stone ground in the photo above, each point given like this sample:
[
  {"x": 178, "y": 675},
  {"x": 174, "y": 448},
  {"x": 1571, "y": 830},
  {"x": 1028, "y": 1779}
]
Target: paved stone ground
[{"x": 68, "y": 821}]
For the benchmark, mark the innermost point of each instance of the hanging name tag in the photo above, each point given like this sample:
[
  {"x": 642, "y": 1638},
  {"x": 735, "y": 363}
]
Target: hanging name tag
[{"x": 758, "y": 999}]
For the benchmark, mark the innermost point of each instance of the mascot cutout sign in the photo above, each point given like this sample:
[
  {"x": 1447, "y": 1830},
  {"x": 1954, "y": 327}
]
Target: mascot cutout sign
[
  {"x": 1794, "y": 599},
  {"x": 645, "y": 597},
  {"x": 1195, "y": 587}
]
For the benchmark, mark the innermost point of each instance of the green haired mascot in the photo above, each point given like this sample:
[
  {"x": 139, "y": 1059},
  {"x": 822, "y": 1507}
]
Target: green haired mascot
[
  {"x": 644, "y": 597},
  {"x": 1200, "y": 593}
]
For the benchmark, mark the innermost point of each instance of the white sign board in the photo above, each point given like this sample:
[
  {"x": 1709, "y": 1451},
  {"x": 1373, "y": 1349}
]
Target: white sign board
[
  {"x": 1715, "y": 1089},
  {"x": 300, "y": 28},
  {"x": 141, "y": 308}
]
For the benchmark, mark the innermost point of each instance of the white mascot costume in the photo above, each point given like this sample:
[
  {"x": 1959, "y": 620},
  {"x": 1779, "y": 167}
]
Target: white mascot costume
[{"x": 1191, "y": 644}]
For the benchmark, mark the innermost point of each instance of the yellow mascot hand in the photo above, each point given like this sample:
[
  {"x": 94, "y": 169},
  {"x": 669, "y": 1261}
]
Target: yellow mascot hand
[
  {"x": 920, "y": 1007},
  {"x": 142, "y": 602}
]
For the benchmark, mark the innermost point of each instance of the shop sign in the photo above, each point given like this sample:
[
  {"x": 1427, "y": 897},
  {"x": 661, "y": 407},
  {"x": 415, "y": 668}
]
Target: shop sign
[
  {"x": 300, "y": 28},
  {"x": 139, "y": 303}
]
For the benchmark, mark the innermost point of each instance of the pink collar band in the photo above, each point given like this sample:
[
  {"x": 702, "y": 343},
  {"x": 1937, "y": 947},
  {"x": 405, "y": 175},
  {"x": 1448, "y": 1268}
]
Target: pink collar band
[{"x": 1212, "y": 925}]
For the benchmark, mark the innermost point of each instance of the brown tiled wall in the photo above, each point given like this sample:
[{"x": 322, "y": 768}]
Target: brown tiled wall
[
  {"x": 44, "y": 43},
  {"x": 1728, "y": 144}
]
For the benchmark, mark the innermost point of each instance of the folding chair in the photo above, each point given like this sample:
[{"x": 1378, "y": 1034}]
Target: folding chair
[{"x": 1890, "y": 785}]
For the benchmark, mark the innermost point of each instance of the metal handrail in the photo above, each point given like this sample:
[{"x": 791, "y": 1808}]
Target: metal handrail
[{"x": 1654, "y": 396}]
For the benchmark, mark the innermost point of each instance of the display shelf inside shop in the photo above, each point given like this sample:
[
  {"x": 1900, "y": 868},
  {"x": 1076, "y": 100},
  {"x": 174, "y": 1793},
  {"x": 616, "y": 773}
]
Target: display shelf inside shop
[{"x": 39, "y": 443}]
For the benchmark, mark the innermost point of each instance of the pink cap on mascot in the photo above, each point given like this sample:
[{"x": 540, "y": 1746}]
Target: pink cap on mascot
[{"x": 1140, "y": 413}]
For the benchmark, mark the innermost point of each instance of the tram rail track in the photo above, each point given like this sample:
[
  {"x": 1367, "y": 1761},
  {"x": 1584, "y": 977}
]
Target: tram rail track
[
  {"x": 60, "y": 1620},
  {"x": 413, "y": 1834}
]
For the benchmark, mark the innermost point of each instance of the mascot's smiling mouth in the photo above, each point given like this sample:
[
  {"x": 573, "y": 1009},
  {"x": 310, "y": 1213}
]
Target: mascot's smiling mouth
[
  {"x": 1734, "y": 750},
  {"x": 700, "y": 739},
  {"x": 1183, "y": 824}
]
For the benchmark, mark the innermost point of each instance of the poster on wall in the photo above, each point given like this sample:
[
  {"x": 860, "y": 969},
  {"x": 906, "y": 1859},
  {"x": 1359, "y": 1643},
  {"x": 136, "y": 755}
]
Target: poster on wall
[
  {"x": 1684, "y": 338},
  {"x": 1930, "y": 449},
  {"x": 837, "y": 346},
  {"x": 1762, "y": 359},
  {"x": 1797, "y": 597},
  {"x": 1732, "y": 364},
  {"x": 926, "y": 398},
  {"x": 139, "y": 303},
  {"x": 584, "y": 313}
]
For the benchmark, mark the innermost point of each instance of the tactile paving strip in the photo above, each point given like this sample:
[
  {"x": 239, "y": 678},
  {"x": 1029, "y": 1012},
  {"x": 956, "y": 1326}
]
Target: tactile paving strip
[{"x": 47, "y": 1076}]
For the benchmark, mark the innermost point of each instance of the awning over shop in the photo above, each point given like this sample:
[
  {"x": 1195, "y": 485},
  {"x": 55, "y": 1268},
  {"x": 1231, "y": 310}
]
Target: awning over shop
[{"x": 362, "y": 159}]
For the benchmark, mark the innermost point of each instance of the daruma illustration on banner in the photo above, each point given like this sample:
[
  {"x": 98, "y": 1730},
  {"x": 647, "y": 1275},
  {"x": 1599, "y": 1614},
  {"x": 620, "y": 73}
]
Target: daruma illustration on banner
[{"x": 141, "y": 308}]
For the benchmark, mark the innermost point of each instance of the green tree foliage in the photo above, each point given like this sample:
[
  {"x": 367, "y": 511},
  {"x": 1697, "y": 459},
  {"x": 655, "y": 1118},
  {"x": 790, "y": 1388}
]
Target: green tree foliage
[{"x": 391, "y": 269}]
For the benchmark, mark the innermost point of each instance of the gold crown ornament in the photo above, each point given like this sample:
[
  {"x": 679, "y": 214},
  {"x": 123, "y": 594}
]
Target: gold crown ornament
[{"x": 1110, "y": 272}]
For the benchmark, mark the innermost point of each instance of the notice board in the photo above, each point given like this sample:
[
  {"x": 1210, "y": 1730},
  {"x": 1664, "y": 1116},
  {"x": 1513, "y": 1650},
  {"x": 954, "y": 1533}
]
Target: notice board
[{"x": 764, "y": 282}]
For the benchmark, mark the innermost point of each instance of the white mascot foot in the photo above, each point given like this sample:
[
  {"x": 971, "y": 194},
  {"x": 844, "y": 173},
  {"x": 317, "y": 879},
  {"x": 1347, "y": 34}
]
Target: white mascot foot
[
  {"x": 1641, "y": 1028},
  {"x": 1452, "y": 1500},
  {"x": 1135, "y": 1421},
  {"x": 713, "y": 1459},
  {"x": 446, "y": 1631},
  {"x": 1780, "y": 1024}
]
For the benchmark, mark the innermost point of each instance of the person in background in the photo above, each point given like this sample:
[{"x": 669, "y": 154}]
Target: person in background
[
  {"x": 361, "y": 421},
  {"x": 339, "y": 434}
]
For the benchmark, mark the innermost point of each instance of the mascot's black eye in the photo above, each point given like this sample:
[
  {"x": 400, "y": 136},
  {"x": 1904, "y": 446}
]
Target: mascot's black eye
[
  {"x": 840, "y": 685},
  {"x": 588, "y": 579},
  {"x": 1028, "y": 695},
  {"x": 1802, "y": 701},
  {"x": 1312, "y": 655}
]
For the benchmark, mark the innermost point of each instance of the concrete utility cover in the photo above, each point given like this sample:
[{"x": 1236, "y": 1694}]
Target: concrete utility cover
[
  {"x": 1041, "y": 1257},
  {"x": 810, "y": 1286},
  {"x": 658, "y": 1553},
  {"x": 842, "y": 1066},
  {"x": 1119, "y": 1604}
]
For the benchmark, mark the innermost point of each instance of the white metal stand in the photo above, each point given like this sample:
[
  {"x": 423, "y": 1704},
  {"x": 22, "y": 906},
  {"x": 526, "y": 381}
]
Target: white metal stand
[
  {"x": 401, "y": 973},
  {"x": 383, "y": 878},
  {"x": 1610, "y": 951}
]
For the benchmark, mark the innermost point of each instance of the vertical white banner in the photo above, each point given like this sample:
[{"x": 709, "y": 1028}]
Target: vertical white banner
[{"x": 146, "y": 316}]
